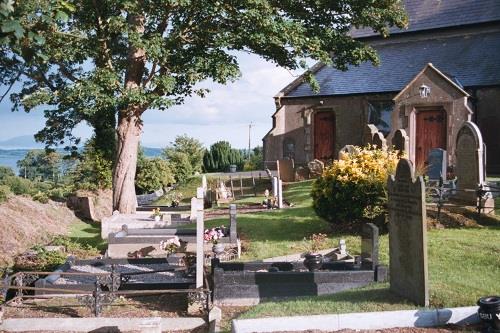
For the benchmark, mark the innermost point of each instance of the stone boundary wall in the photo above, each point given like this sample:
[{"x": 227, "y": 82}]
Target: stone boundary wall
[{"x": 146, "y": 199}]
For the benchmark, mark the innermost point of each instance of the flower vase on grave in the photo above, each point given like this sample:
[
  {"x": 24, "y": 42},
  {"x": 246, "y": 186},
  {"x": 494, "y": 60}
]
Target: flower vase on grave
[
  {"x": 313, "y": 261},
  {"x": 157, "y": 218},
  {"x": 218, "y": 248}
]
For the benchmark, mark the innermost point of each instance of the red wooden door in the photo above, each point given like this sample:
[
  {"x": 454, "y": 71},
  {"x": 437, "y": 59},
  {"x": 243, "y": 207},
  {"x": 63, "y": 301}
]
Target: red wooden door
[
  {"x": 324, "y": 135},
  {"x": 430, "y": 133}
]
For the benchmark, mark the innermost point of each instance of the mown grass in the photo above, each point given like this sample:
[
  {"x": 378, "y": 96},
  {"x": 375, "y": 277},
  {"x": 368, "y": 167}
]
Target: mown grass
[
  {"x": 87, "y": 233},
  {"x": 464, "y": 263}
]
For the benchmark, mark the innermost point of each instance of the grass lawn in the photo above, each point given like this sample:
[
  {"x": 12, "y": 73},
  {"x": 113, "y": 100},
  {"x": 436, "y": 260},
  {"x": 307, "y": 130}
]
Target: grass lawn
[
  {"x": 87, "y": 233},
  {"x": 464, "y": 263}
]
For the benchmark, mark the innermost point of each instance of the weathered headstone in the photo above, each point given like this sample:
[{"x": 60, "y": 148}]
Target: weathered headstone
[
  {"x": 469, "y": 162},
  {"x": 369, "y": 246},
  {"x": 316, "y": 168},
  {"x": 233, "y": 236},
  {"x": 286, "y": 170},
  {"x": 437, "y": 164},
  {"x": 408, "y": 234},
  {"x": 401, "y": 141},
  {"x": 194, "y": 209},
  {"x": 280, "y": 193},
  {"x": 348, "y": 149},
  {"x": 368, "y": 134},
  {"x": 301, "y": 173},
  {"x": 275, "y": 187},
  {"x": 200, "y": 232},
  {"x": 379, "y": 141},
  {"x": 204, "y": 182}
]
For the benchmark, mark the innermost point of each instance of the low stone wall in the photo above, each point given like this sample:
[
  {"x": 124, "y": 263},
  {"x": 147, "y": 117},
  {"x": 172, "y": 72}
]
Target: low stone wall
[
  {"x": 241, "y": 284},
  {"x": 146, "y": 199}
]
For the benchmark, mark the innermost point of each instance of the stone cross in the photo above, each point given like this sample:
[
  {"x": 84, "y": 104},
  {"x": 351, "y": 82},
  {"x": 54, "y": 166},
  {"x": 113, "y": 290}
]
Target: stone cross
[
  {"x": 401, "y": 142},
  {"x": 437, "y": 163},
  {"x": 233, "y": 235},
  {"x": 369, "y": 246},
  {"x": 280, "y": 193},
  {"x": 194, "y": 209},
  {"x": 204, "y": 182},
  {"x": 368, "y": 134},
  {"x": 408, "y": 234},
  {"x": 379, "y": 141},
  {"x": 200, "y": 231},
  {"x": 469, "y": 162}
]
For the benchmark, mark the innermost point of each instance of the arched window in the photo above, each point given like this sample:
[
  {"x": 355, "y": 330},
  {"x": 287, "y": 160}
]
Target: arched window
[{"x": 289, "y": 148}]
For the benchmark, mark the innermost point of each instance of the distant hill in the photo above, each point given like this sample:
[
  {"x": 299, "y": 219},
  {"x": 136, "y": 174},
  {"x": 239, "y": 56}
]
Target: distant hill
[{"x": 21, "y": 142}]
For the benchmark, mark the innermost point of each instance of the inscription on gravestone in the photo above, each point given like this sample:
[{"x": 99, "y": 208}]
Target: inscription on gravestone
[{"x": 408, "y": 234}]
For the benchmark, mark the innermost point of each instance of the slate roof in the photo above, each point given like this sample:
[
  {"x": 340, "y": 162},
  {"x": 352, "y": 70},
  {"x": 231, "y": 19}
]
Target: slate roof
[
  {"x": 433, "y": 14},
  {"x": 473, "y": 60}
]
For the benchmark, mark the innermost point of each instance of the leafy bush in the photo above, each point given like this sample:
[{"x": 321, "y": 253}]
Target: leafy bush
[
  {"x": 40, "y": 197},
  {"x": 185, "y": 156},
  {"x": 18, "y": 185},
  {"x": 6, "y": 172},
  {"x": 93, "y": 171},
  {"x": 4, "y": 193},
  {"x": 153, "y": 174},
  {"x": 221, "y": 156},
  {"x": 256, "y": 160},
  {"x": 354, "y": 187}
]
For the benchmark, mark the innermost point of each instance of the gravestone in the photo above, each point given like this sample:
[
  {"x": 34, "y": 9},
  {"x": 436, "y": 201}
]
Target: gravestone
[
  {"x": 348, "y": 149},
  {"x": 437, "y": 164},
  {"x": 469, "y": 162},
  {"x": 408, "y": 234},
  {"x": 233, "y": 235},
  {"x": 301, "y": 173},
  {"x": 280, "y": 193},
  {"x": 368, "y": 134},
  {"x": 316, "y": 168},
  {"x": 204, "y": 182},
  {"x": 286, "y": 170},
  {"x": 369, "y": 246},
  {"x": 200, "y": 233},
  {"x": 275, "y": 187},
  {"x": 194, "y": 209},
  {"x": 401, "y": 142},
  {"x": 379, "y": 141}
]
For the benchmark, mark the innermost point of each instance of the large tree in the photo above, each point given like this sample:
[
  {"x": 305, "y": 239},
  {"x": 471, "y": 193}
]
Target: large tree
[{"x": 97, "y": 61}]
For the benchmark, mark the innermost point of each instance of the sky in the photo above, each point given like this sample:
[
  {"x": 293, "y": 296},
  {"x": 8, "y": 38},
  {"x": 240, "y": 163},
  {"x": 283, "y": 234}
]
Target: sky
[{"x": 223, "y": 115}]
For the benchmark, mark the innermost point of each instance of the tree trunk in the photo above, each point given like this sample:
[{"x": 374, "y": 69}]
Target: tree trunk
[{"x": 128, "y": 136}]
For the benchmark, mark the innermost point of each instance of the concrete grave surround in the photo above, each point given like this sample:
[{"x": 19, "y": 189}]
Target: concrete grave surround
[
  {"x": 408, "y": 235},
  {"x": 401, "y": 141},
  {"x": 437, "y": 163},
  {"x": 469, "y": 162},
  {"x": 233, "y": 235},
  {"x": 286, "y": 170},
  {"x": 200, "y": 231}
]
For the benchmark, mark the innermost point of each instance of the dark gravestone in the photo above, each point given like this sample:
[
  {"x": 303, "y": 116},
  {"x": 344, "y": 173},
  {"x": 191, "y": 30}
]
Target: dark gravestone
[
  {"x": 437, "y": 163},
  {"x": 368, "y": 134},
  {"x": 408, "y": 235},
  {"x": 379, "y": 141},
  {"x": 401, "y": 142},
  {"x": 369, "y": 246}
]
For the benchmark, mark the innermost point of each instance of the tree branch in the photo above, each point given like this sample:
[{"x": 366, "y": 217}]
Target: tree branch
[{"x": 10, "y": 86}]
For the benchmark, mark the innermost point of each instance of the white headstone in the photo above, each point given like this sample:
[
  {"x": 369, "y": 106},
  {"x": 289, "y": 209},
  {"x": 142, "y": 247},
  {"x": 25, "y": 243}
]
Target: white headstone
[
  {"x": 275, "y": 186},
  {"x": 280, "y": 194},
  {"x": 204, "y": 182},
  {"x": 200, "y": 231},
  {"x": 194, "y": 209}
]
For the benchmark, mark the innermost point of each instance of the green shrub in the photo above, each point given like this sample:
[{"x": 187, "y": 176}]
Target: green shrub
[
  {"x": 18, "y": 185},
  {"x": 153, "y": 174},
  {"x": 40, "y": 197},
  {"x": 6, "y": 172},
  {"x": 4, "y": 193},
  {"x": 354, "y": 187},
  {"x": 221, "y": 156}
]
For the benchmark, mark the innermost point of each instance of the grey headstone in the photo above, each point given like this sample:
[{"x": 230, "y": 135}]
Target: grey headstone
[
  {"x": 408, "y": 235},
  {"x": 275, "y": 187},
  {"x": 233, "y": 234},
  {"x": 368, "y": 134},
  {"x": 316, "y": 168},
  {"x": 437, "y": 163},
  {"x": 348, "y": 149},
  {"x": 469, "y": 162},
  {"x": 369, "y": 246},
  {"x": 379, "y": 141},
  {"x": 401, "y": 141}
]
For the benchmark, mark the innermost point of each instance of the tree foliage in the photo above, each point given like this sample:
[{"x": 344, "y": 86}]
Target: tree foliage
[
  {"x": 220, "y": 156},
  {"x": 152, "y": 174},
  {"x": 256, "y": 159},
  {"x": 40, "y": 164},
  {"x": 93, "y": 171},
  {"x": 105, "y": 61},
  {"x": 185, "y": 157}
]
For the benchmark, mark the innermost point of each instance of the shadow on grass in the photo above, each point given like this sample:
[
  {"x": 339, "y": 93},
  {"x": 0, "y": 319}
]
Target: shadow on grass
[{"x": 88, "y": 233}]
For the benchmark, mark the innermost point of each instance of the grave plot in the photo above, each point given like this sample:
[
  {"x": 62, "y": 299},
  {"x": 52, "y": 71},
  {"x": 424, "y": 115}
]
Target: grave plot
[{"x": 249, "y": 283}]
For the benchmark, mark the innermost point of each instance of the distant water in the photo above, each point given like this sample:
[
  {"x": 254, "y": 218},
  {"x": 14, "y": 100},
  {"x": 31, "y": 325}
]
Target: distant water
[{"x": 9, "y": 157}]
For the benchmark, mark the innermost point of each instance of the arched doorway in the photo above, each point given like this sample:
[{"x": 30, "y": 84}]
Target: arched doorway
[{"x": 430, "y": 132}]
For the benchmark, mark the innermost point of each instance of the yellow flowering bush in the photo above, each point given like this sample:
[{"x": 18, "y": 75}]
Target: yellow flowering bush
[{"x": 354, "y": 186}]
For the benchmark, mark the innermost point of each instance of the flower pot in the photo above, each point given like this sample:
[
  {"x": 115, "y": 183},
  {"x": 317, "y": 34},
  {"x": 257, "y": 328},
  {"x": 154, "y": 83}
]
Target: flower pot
[
  {"x": 313, "y": 261},
  {"x": 489, "y": 312},
  {"x": 157, "y": 218},
  {"x": 218, "y": 248}
]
